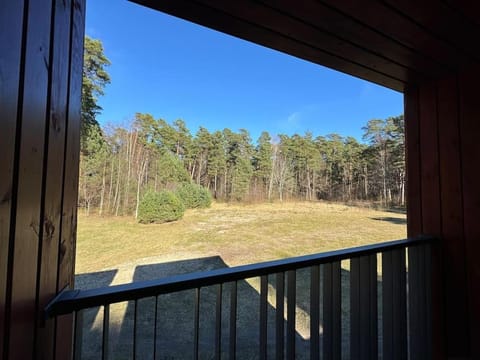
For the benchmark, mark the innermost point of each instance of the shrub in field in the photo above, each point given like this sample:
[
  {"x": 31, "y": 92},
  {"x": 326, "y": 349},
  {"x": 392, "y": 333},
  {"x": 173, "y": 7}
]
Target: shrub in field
[
  {"x": 194, "y": 196},
  {"x": 160, "y": 207}
]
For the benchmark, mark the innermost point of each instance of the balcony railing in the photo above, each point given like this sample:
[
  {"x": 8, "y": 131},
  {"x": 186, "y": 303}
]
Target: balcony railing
[{"x": 360, "y": 303}]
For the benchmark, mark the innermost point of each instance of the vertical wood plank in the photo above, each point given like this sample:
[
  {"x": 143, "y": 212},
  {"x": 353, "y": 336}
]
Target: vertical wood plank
[
  {"x": 11, "y": 40},
  {"x": 72, "y": 145},
  {"x": 68, "y": 226},
  {"x": 452, "y": 219},
  {"x": 413, "y": 167},
  {"x": 332, "y": 319},
  {"x": 470, "y": 150},
  {"x": 363, "y": 308},
  {"x": 430, "y": 173},
  {"x": 417, "y": 303},
  {"x": 394, "y": 305},
  {"x": 29, "y": 185},
  {"x": 431, "y": 213},
  {"x": 53, "y": 172}
]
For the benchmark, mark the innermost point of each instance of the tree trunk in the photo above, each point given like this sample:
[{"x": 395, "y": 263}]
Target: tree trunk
[
  {"x": 116, "y": 201},
  {"x": 139, "y": 182},
  {"x": 110, "y": 188},
  {"x": 102, "y": 192}
]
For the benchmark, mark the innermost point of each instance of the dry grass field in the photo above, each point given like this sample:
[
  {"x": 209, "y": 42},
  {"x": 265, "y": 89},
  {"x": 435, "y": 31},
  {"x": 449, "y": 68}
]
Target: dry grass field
[
  {"x": 239, "y": 234},
  {"x": 118, "y": 250}
]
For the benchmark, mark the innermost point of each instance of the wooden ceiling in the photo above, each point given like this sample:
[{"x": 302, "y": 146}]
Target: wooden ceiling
[{"x": 393, "y": 43}]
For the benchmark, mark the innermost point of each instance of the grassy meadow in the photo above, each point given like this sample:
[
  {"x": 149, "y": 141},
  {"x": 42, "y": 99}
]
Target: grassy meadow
[
  {"x": 115, "y": 250},
  {"x": 239, "y": 234}
]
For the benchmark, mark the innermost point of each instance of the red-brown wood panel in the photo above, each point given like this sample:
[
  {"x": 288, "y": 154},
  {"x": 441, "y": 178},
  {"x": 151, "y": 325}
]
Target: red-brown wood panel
[
  {"x": 431, "y": 220},
  {"x": 11, "y": 23},
  {"x": 452, "y": 219},
  {"x": 440, "y": 21},
  {"x": 467, "y": 8},
  {"x": 470, "y": 150},
  {"x": 313, "y": 35},
  {"x": 53, "y": 174},
  {"x": 66, "y": 264},
  {"x": 258, "y": 33},
  {"x": 29, "y": 185},
  {"x": 412, "y": 139},
  {"x": 431, "y": 209},
  {"x": 400, "y": 28},
  {"x": 342, "y": 26}
]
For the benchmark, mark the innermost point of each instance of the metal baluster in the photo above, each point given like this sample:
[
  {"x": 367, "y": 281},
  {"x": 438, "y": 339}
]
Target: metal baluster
[
  {"x": 363, "y": 307},
  {"x": 155, "y": 329},
  {"x": 218, "y": 323},
  {"x": 394, "y": 305},
  {"x": 135, "y": 314},
  {"x": 263, "y": 316},
  {"x": 233, "y": 321},
  {"x": 419, "y": 288},
  {"x": 106, "y": 323},
  {"x": 332, "y": 330},
  {"x": 291, "y": 302},
  {"x": 78, "y": 335},
  {"x": 279, "y": 316},
  {"x": 197, "y": 323},
  {"x": 315, "y": 312}
]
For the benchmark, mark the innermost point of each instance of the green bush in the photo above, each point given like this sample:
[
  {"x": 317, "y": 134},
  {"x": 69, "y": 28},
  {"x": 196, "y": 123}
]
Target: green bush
[
  {"x": 194, "y": 196},
  {"x": 160, "y": 207}
]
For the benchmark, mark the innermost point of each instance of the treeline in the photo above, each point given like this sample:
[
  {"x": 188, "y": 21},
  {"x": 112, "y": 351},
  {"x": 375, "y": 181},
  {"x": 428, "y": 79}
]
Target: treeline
[{"x": 118, "y": 165}]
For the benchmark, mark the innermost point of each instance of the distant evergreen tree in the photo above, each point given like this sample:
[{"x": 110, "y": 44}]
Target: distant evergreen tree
[{"x": 94, "y": 80}]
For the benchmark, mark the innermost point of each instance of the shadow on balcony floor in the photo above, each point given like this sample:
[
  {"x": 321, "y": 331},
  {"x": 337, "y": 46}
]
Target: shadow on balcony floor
[
  {"x": 171, "y": 336},
  {"x": 174, "y": 331}
]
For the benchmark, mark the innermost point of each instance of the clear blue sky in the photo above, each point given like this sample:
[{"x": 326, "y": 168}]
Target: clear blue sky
[{"x": 174, "y": 69}]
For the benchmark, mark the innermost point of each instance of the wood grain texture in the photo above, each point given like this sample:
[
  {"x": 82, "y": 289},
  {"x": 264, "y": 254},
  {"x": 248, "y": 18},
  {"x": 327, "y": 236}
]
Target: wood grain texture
[
  {"x": 332, "y": 313},
  {"x": 442, "y": 23},
  {"x": 29, "y": 186},
  {"x": 284, "y": 24},
  {"x": 452, "y": 218},
  {"x": 413, "y": 164},
  {"x": 391, "y": 43},
  {"x": 342, "y": 26},
  {"x": 363, "y": 308},
  {"x": 53, "y": 174},
  {"x": 401, "y": 29},
  {"x": 11, "y": 31},
  {"x": 417, "y": 303},
  {"x": 466, "y": 8},
  {"x": 470, "y": 150},
  {"x": 429, "y": 159},
  {"x": 68, "y": 226},
  {"x": 258, "y": 33},
  {"x": 34, "y": 92},
  {"x": 431, "y": 214},
  {"x": 394, "y": 308},
  {"x": 446, "y": 181}
]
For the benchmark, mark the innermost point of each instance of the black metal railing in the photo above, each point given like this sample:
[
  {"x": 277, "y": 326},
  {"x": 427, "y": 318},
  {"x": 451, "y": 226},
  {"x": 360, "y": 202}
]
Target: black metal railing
[{"x": 353, "y": 305}]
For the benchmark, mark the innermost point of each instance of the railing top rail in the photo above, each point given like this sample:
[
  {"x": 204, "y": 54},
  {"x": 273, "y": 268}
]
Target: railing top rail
[{"x": 69, "y": 301}]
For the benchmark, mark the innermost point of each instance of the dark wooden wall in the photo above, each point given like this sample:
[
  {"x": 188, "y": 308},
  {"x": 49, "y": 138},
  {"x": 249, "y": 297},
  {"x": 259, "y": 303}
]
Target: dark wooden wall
[
  {"x": 41, "y": 46},
  {"x": 443, "y": 155}
]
